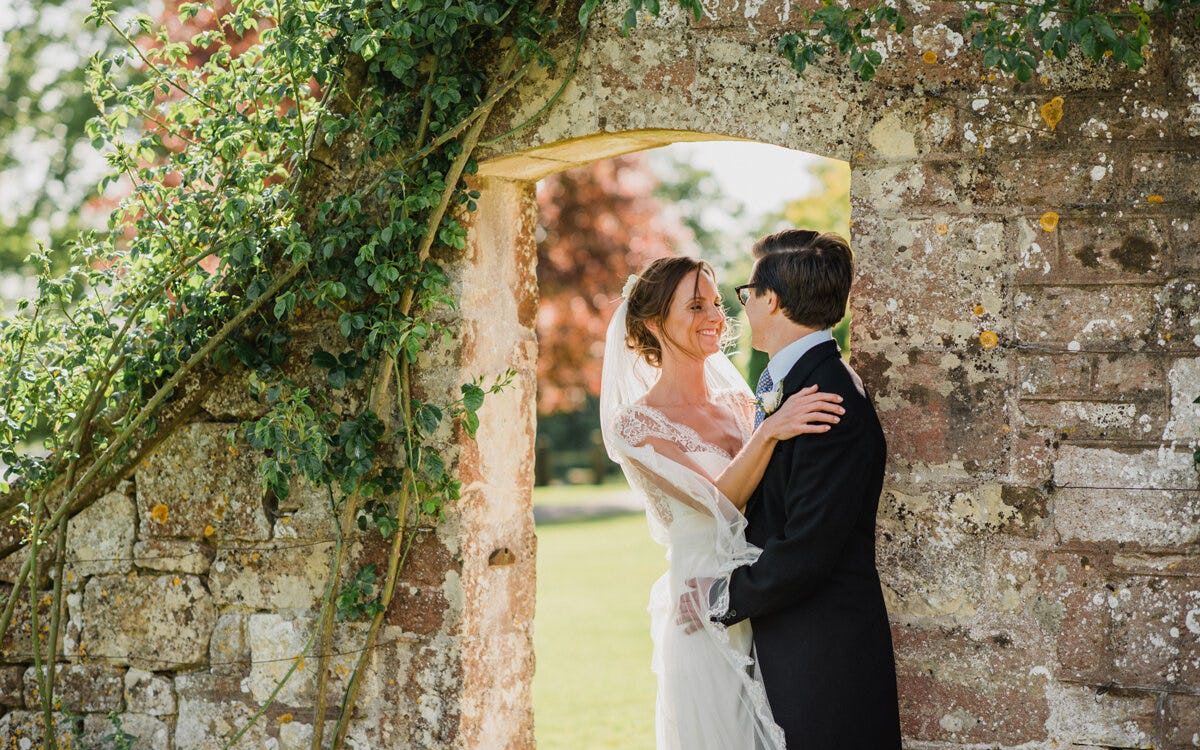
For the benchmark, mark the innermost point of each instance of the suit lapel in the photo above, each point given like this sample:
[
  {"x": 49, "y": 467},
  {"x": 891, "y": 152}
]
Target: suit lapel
[{"x": 800, "y": 371}]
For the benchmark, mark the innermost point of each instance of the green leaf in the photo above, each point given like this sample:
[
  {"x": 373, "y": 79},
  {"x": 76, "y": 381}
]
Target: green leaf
[
  {"x": 472, "y": 397},
  {"x": 324, "y": 359}
]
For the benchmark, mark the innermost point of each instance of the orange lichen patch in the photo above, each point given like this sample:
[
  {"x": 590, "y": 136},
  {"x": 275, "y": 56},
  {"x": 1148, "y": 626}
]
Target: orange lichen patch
[
  {"x": 929, "y": 56},
  {"x": 284, "y": 718},
  {"x": 1052, "y": 112},
  {"x": 176, "y": 581},
  {"x": 978, "y": 310},
  {"x": 988, "y": 340},
  {"x": 1154, "y": 198},
  {"x": 159, "y": 513},
  {"x": 941, "y": 228},
  {"x": 1049, "y": 221},
  {"x": 209, "y": 530}
]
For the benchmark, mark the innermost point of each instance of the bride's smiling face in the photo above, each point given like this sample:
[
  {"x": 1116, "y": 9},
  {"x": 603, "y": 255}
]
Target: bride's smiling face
[{"x": 695, "y": 321}]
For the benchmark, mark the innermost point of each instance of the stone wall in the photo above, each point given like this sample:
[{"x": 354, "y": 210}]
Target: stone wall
[{"x": 1040, "y": 528}]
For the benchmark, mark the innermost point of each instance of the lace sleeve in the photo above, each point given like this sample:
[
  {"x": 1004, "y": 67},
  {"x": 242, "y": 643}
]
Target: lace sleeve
[{"x": 639, "y": 428}]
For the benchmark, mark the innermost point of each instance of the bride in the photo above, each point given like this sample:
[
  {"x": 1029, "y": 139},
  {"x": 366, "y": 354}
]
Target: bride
[{"x": 679, "y": 419}]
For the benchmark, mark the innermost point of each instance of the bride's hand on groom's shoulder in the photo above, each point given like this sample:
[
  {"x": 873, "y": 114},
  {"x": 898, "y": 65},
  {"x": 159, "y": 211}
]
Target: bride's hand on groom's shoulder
[{"x": 807, "y": 412}]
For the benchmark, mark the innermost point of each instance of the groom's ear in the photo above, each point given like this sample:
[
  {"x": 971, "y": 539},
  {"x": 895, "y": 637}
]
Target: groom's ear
[{"x": 772, "y": 300}]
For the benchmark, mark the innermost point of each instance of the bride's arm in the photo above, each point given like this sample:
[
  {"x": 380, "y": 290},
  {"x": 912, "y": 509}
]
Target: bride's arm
[{"x": 806, "y": 412}]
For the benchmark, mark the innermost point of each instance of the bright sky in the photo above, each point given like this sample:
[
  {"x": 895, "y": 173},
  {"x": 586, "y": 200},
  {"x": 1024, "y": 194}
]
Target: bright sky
[{"x": 763, "y": 177}]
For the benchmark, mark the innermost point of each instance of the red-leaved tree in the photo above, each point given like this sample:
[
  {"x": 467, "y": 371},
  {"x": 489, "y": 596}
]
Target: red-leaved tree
[{"x": 599, "y": 224}]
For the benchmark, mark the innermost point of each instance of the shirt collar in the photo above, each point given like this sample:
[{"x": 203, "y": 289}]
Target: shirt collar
[{"x": 787, "y": 357}]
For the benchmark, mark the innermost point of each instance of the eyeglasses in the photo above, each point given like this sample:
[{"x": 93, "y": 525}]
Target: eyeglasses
[{"x": 743, "y": 292}]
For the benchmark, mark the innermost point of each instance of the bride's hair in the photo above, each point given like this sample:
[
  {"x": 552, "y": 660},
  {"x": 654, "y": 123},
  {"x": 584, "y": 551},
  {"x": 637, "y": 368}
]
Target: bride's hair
[{"x": 650, "y": 301}]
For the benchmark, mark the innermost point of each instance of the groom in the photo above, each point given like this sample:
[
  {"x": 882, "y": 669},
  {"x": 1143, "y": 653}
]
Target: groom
[{"x": 821, "y": 633}]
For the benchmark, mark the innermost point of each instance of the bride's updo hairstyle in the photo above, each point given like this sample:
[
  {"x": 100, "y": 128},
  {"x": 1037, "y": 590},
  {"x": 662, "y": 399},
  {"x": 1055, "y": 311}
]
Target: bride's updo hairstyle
[{"x": 650, "y": 301}]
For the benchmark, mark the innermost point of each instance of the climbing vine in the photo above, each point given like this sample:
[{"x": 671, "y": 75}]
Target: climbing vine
[{"x": 312, "y": 167}]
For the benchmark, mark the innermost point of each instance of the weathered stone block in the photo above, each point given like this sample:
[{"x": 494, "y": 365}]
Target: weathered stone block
[
  {"x": 1156, "y": 632},
  {"x": 154, "y": 622},
  {"x": 939, "y": 408},
  {"x": 1167, "y": 469},
  {"x": 22, "y": 729},
  {"x": 271, "y": 579},
  {"x": 171, "y": 556},
  {"x": 196, "y": 479},
  {"x": 149, "y": 693},
  {"x": 212, "y": 710},
  {"x": 99, "y": 539},
  {"x": 12, "y": 686},
  {"x": 1139, "y": 517},
  {"x": 1096, "y": 420},
  {"x": 1010, "y": 581},
  {"x": 922, "y": 281},
  {"x": 928, "y": 565},
  {"x": 1185, "y": 243},
  {"x": 1055, "y": 375},
  {"x": 1183, "y": 721},
  {"x": 983, "y": 688},
  {"x": 1127, "y": 376},
  {"x": 1082, "y": 319},
  {"x": 141, "y": 731},
  {"x": 1031, "y": 458},
  {"x": 1100, "y": 250},
  {"x": 1074, "y": 606},
  {"x": 10, "y": 566},
  {"x": 305, "y": 513},
  {"x": 82, "y": 688},
  {"x": 230, "y": 399},
  {"x": 1055, "y": 179},
  {"x": 1087, "y": 716},
  {"x": 1174, "y": 175},
  {"x": 1113, "y": 377},
  {"x": 1184, "y": 379},
  {"x": 277, "y": 641},
  {"x": 1109, "y": 496},
  {"x": 17, "y": 645},
  {"x": 1179, "y": 311},
  {"x": 930, "y": 183},
  {"x": 228, "y": 649}
]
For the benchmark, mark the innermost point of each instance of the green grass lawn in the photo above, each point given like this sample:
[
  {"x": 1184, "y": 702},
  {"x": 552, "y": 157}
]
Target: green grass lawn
[
  {"x": 582, "y": 494},
  {"x": 593, "y": 687}
]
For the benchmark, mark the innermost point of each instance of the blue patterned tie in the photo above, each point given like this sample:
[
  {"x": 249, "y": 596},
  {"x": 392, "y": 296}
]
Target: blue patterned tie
[{"x": 765, "y": 384}]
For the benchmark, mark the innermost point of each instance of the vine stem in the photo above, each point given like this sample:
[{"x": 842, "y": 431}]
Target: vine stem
[
  {"x": 201, "y": 355},
  {"x": 396, "y": 554},
  {"x": 325, "y": 628},
  {"x": 157, "y": 70},
  {"x": 35, "y": 633}
]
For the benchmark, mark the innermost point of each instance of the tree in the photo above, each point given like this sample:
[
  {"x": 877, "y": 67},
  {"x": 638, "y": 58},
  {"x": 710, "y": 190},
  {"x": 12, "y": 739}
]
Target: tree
[{"x": 599, "y": 224}]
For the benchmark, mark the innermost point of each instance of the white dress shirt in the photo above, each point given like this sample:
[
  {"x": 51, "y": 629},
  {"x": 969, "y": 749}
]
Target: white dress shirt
[{"x": 787, "y": 357}]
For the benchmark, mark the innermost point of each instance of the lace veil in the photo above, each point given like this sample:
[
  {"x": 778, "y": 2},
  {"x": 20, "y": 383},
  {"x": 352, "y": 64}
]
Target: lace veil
[{"x": 728, "y": 708}]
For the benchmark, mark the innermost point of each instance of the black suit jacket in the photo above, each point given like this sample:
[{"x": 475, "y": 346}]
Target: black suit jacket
[{"x": 821, "y": 633}]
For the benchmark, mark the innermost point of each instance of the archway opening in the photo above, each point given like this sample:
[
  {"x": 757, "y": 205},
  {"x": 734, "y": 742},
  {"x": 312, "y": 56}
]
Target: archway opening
[{"x": 601, "y": 219}]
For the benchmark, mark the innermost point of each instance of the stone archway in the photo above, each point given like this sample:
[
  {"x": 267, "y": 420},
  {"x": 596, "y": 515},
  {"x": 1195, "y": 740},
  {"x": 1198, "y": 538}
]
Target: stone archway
[{"x": 1005, "y": 402}]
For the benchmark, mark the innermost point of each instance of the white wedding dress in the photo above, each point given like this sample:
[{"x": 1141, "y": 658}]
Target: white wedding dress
[{"x": 709, "y": 694}]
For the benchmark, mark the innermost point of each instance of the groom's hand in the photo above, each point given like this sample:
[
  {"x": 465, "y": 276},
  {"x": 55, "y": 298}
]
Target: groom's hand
[{"x": 693, "y": 604}]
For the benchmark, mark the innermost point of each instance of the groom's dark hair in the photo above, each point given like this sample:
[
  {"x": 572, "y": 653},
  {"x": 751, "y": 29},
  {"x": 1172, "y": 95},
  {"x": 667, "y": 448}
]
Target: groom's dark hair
[{"x": 809, "y": 271}]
